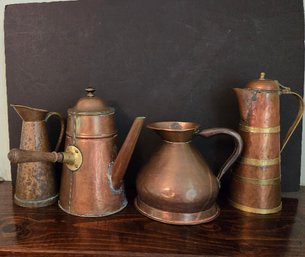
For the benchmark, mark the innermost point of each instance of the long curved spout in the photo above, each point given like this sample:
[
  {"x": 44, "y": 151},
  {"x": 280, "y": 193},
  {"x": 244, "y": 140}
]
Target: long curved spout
[{"x": 121, "y": 163}]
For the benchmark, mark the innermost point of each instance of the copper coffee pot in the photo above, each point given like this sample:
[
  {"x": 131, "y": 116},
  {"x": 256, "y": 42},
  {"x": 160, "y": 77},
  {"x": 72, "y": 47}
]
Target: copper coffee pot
[
  {"x": 177, "y": 186},
  {"x": 92, "y": 176},
  {"x": 35, "y": 182},
  {"x": 256, "y": 183}
]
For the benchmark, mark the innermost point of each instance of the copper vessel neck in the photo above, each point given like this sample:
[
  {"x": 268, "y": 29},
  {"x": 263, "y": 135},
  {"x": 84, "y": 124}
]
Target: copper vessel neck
[{"x": 174, "y": 131}]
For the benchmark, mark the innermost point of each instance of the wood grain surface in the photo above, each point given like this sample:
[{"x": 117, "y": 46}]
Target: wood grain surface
[{"x": 49, "y": 231}]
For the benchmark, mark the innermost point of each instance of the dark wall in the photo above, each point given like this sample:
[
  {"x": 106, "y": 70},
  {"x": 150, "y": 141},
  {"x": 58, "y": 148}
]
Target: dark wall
[{"x": 166, "y": 60}]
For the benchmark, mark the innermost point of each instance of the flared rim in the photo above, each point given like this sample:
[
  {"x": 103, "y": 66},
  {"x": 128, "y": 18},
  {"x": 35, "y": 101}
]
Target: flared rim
[{"x": 173, "y": 126}]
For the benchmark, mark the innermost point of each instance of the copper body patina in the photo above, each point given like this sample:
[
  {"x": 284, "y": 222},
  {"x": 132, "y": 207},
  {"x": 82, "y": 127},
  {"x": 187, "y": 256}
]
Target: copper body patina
[
  {"x": 35, "y": 181},
  {"x": 176, "y": 186},
  {"x": 96, "y": 188},
  {"x": 93, "y": 171},
  {"x": 256, "y": 182}
]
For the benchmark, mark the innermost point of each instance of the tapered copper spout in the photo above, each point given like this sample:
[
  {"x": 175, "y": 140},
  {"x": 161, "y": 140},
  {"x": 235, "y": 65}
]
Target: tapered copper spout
[
  {"x": 245, "y": 98},
  {"x": 29, "y": 113},
  {"x": 121, "y": 163}
]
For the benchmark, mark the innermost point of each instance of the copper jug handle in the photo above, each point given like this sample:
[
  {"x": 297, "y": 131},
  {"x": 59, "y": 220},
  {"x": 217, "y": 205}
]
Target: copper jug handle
[
  {"x": 62, "y": 127},
  {"x": 237, "y": 150},
  {"x": 287, "y": 91}
]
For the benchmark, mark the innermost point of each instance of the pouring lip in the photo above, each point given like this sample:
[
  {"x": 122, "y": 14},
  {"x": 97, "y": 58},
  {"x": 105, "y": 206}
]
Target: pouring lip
[
  {"x": 173, "y": 126},
  {"x": 30, "y": 108}
]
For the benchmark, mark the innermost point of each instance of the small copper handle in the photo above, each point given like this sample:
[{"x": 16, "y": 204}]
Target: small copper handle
[
  {"x": 237, "y": 150},
  {"x": 287, "y": 91},
  {"x": 62, "y": 127}
]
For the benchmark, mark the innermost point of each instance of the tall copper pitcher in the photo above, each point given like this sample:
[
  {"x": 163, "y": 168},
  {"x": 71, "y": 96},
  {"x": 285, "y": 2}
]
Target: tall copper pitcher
[
  {"x": 35, "y": 181},
  {"x": 255, "y": 185}
]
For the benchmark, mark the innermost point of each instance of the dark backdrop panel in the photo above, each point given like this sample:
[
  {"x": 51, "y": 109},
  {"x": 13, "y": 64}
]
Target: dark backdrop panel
[{"x": 167, "y": 60}]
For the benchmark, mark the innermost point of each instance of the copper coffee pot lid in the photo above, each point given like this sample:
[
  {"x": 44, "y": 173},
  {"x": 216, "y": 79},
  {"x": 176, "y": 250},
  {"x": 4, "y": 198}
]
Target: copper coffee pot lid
[
  {"x": 91, "y": 105},
  {"x": 263, "y": 84},
  {"x": 91, "y": 117}
]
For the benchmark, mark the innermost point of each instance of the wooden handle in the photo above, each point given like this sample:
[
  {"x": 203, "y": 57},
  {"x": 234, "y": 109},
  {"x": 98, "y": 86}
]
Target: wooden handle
[
  {"x": 237, "y": 150},
  {"x": 21, "y": 156}
]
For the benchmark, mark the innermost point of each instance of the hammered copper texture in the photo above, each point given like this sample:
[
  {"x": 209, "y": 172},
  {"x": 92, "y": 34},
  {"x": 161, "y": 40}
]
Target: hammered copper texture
[
  {"x": 35, "y": 180},
  {"x": 96, "y": 188},
  {"x": 88, "y": 192},
  {"x": 256, "y": 184}
]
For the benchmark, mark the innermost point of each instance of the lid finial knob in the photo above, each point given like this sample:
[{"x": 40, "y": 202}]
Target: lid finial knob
[
  {"x": 262, "y": 75},
  {"x": 90, "y": 91}
]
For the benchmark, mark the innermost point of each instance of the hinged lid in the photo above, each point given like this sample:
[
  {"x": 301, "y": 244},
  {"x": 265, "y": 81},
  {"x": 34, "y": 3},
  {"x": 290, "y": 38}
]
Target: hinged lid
[
  {"x": 91, "y": 105},
  {"x": 263, "y": 84}
]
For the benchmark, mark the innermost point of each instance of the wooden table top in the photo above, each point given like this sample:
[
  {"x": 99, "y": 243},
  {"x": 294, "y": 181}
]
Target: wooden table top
[{"x": 49, "y": 231}]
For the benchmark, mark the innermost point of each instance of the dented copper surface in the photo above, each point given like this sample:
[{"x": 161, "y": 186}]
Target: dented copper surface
[
  {"x": 35, "y": 182},
  {"x": 176, "y": 185},
  {"x": 255, "y": 185}
]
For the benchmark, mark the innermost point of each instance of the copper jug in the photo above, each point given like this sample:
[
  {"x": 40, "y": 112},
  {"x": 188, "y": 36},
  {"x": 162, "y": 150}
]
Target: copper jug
[
  {"x": 35, "y": 181},
  {"x": 92, "y": 176},
  {"x": 176, "y": 186},
  {"x": 256, "y": 182}
]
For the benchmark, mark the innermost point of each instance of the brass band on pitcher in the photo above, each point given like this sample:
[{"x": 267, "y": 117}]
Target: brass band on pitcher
[
  {"x": 260, "y": 162},
  {"x": 250, "y": 129},
  {"x": 260, "y": 182},
  {"x": 255, "y": 210}
]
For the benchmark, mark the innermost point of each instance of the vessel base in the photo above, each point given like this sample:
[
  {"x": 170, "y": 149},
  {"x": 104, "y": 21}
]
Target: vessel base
[
  {"x": 177, "y": 218},
  {"x": 35, "y": 203},
  {"x": 101, "y": 213}
]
